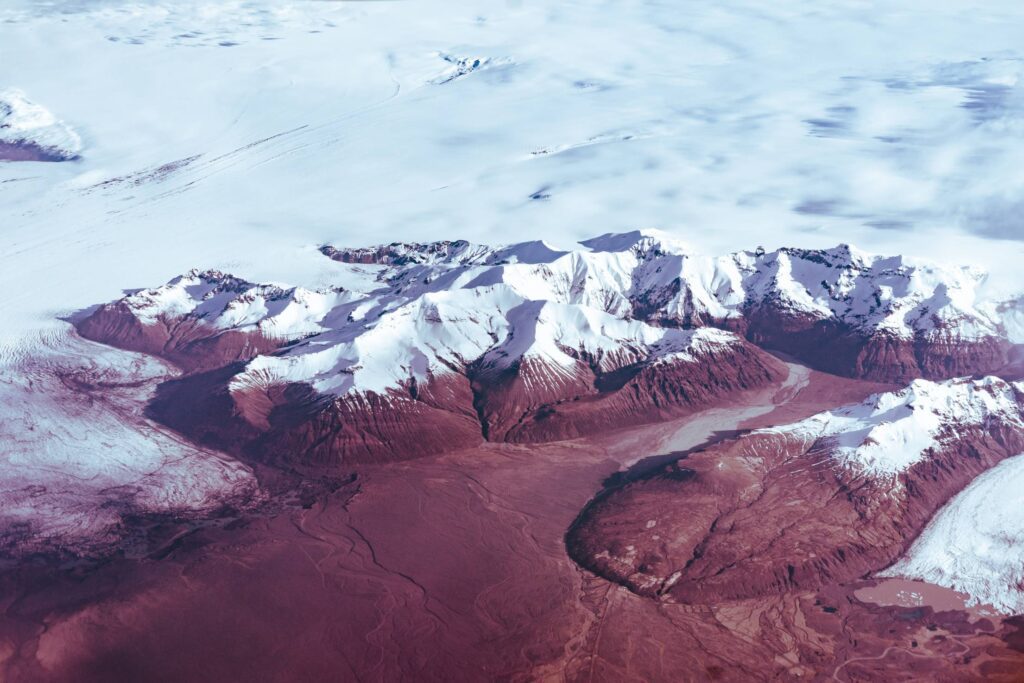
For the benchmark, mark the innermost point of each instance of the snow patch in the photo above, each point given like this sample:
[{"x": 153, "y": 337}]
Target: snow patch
[
  {"x": 78, "y": 454},
  {"x": 423, "y": 310}
]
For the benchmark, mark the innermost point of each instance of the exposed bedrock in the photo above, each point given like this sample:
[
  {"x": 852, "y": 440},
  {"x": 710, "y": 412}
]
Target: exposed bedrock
[
  {"x": 293, "y": 425},
  {"x": 519, "y": 406},
  {"x": 531, "y": 401},
  {"x": 834, "y": 347},
  {"x": 774, "y": 511},
  {"x": 186, "y": 342},
  {"x": 425, "y": 348}
]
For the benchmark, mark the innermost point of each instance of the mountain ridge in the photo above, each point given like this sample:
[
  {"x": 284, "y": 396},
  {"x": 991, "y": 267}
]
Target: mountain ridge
[
  {"x": 534, "y": 343},
  {"x": 832, "y": 498}
]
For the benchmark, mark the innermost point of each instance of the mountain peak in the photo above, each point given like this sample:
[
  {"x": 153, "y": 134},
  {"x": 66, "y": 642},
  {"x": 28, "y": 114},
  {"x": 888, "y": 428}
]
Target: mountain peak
[
  {"x": 641, "y": 242},
  {"x": 888, "y": 433}
]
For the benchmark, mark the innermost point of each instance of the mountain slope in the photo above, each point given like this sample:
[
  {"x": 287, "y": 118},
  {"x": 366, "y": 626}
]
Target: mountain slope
[
  {"x": 828, "y": 499},
  {"x": 30, "y": 132},
  {"x": 844, "y": 311},
  {"x": 434, "y": 354},
  {"x": 433, "y": 347},
  {"x": 973, "y": 544}
]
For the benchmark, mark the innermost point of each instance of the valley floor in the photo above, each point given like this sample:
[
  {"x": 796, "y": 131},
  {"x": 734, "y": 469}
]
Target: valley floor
[{"x": 454, "y": 568}]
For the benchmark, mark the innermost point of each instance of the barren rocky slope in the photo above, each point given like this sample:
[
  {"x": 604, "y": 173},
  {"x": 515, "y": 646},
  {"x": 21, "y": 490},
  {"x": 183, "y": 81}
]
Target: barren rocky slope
[
  {"x": 30, "y": 132},
  {"x": 453, "y": 568},
  {"x": 825, "y": 500},
  {"x": 433, "y": 347}
]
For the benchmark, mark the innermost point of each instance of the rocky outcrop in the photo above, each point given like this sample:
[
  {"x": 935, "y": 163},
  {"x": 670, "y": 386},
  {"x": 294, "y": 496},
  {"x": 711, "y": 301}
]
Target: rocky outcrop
[
  {"x": 405, "y": 254},
  {"x": 882, "y": 356},
  {"x": 830, "y": 499},
  {"x": 186, "y": 342},
  {"x": 635, "y": 394},
  {"x": 431, "y": 347},
  {"x": 30, "y": 132},
  {"x": 294, "y": 426}
]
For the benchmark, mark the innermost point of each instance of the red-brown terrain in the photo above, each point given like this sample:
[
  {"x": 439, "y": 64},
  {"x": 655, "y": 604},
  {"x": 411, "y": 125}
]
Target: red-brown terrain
[
  {"x": 768, "y": 513},
  {"x": 453, "y": 568},
  {"x": 527, "y": 402},
  {"x": 526, "y": 464},
  {"x": 187, "y": 343},
  {"x": 838, "y": 349},
  {"x": 431, "y": 348},
  {"x": 335, "y": 345}
]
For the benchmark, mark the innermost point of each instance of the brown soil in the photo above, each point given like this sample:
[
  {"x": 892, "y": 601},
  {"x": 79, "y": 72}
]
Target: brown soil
[
  {"x": 767, "y": 513},
  {"x": 453, "y": 568}
]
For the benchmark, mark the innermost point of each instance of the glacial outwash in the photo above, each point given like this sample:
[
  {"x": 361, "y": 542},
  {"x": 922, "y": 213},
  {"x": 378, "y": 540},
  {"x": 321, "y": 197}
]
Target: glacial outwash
[
  {"x": 438, "y": 348},
  {"x": 570, "y": 342},
  {"x": 829, "y": 499}
]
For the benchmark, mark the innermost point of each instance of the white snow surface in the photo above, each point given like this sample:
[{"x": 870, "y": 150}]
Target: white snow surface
[
  {"x": 973, "y": 544},
  {"x": 241, "y": 135},
  {"x": 888, "y": 433},
  {"x": 77, "y": 453},
  {"x": 244, "y": 134},
  {"x": 441, "y": 308},
  {"x": 424, "y": 310},
  {"x": 25, "y": 122}
]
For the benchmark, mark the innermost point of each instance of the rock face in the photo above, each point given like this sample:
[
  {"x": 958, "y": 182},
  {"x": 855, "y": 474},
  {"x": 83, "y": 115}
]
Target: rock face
[
  {"x": 829, "y": 499},
  {"x": 437, "y": 346},
  {"x": 880, "y": 355},
  {"x": 292, "y": 425},
  {"x": 840, "y": 310},
  {"x": 317, "y": 378},
  {"x": 517, "y": 406},
  {"x": 185, "y": 341}
]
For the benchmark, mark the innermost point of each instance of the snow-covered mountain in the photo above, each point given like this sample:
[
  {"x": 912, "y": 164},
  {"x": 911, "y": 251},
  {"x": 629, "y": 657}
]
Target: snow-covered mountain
[
  {"x": 529, "y": 342},
  {"x": 887, "y": 318},
  {"x": 828, "y": 499},
  {"x": 889, "y": 433},
  {"x": 29, "y": 131}
]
